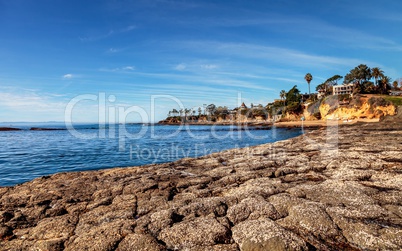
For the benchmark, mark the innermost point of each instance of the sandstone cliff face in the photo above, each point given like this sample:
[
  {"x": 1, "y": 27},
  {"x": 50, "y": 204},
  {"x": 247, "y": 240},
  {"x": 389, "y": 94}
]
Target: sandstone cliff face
[
  {"x": 366, "y": 108},
  {"x": 365, "y": 111},
  {"x": 330, "y": 189}
]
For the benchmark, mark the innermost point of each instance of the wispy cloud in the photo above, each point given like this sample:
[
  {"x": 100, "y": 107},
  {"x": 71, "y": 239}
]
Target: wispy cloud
[
  {"x": 129, "y": 68},
  {"x": 105, "y": 35},
  {"x": 68, "y": 76},
  {"x": 113, "y": 50},
  {"x": 24, "y": 102},
  {"x": 118, "y": 69},
  {"x": 127, "y": 29},
  {"x": 209, "y": 66},
  {"x": 180, "y": 67},
  {"x": 266, "y": 53}
]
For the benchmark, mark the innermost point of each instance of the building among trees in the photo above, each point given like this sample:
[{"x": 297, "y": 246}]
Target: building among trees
[{"x": 343, "y": 89}]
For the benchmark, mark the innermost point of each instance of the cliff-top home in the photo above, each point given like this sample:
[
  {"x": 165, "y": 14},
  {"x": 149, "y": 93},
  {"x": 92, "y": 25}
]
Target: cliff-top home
[{"x": 343, "y": 89}]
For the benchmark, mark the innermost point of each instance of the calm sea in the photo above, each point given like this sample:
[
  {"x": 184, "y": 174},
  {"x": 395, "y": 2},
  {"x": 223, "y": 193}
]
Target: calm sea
[{"x": 27, "y": 154}]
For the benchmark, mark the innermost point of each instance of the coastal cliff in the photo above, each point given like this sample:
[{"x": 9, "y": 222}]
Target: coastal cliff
[
  {"x": 358, "y": 107},
  {"x": 330, "y": 189},
  {"x": 333, "y": 107}
]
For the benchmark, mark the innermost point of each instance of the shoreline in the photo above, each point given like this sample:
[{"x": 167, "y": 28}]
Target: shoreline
[
  {"x": 296, "y": 193},
  {"x": 323, "y": 123},
  {"x": 287, "y": 124}
]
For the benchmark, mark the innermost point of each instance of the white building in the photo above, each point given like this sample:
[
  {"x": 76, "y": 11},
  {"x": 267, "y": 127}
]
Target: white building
[{"x": 343, "y": 89}]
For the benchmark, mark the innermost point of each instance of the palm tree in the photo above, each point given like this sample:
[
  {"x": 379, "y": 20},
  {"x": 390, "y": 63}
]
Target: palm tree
[
  {"x": 308, "y": 78},
  {"x": 377, "y": 73},
  {"x": 282, "y": 94},
  {"x": 395, "y": 84},
  {"x": 385, "y": 84}
]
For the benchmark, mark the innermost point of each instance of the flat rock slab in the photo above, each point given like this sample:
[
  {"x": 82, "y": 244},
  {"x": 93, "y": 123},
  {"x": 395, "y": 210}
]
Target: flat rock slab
[{"x": 336, "y": 188}]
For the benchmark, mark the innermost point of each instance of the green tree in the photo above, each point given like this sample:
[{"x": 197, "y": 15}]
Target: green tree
[
  {"x": 308, "y": 78},
  {"x": 221, "y": 111},
  {"x": 293, "y": 100},
  {"x": 385, "y": 85},
  {"x": 293, "y": 95},
  {"x": 334, "y": 80},
  {"x": 395, "y": 84},
  {"x": 282, "y": 94},
  {"x": 369, "y": 87},
  {"x": 359, "y": 75},
  {"x": 327, "y": 86},
  {"x": 211, "y": 109},
  {"x": 377, "y": 73}
]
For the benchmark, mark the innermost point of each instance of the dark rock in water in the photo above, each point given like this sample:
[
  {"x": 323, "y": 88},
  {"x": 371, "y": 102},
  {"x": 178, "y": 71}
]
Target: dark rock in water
[
  {"x": 329, "y": 189},
  {"x": 46, "y": 129},
  {"x": 9, "y": 129}
]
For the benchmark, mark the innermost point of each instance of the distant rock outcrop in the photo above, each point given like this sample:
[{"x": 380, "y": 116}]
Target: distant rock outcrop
[
  {"x": 9, "y": 129},
  {"x": 330, "y": 189}
]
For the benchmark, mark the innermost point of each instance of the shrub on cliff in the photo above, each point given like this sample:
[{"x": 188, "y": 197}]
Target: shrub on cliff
[
  {"x": 293, "y": 107},
  {"x": 376, "y": 102},
  {"x": 356, "y": 102}
]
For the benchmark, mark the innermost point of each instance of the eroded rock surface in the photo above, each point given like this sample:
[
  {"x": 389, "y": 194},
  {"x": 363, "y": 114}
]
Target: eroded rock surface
[{"x": 330, "y": 189}]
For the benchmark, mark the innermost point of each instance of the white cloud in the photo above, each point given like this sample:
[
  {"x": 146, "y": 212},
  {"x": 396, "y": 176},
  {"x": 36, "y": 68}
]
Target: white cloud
[
  {"x": 107, "y": 34},
  {"x": 118, "y": 69},
  {"x": 128, "y": 28},
  {"x": 113, "y": 50},
  {"x": 68, "y": 76},
  {"x": 129, "y": 68},
  {"x": 209, "y": 66},
  {"x": 30, "y": 102},
  {"x": 180, "y": 67}
]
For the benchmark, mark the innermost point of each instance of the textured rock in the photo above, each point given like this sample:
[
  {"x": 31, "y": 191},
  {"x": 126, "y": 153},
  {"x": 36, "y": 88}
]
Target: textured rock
[
  {"x": 330, "y": 189},
  {"x": 139, "y": 242},
  {"x": 265, "y": 234},
  {"x": 199, "y": 232}
]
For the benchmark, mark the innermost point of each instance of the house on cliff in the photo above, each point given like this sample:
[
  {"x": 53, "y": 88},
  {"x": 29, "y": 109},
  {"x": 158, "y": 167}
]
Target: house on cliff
[
  {"x": 395, "y": 93},
  {"x": 243, "y": 107},
  {"x": 343, "y": 89}
]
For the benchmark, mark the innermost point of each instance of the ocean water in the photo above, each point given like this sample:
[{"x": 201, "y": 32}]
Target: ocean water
[{"x": 27, "y": 154}]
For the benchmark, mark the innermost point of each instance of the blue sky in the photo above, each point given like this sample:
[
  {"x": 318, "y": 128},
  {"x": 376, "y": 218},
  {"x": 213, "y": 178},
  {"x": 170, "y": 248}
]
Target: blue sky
[{"x": 199, "y": 52}]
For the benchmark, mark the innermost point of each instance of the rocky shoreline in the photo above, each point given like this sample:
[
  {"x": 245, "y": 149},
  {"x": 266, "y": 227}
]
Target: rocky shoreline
[{"x": 336, "y": 188}]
